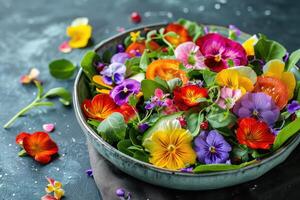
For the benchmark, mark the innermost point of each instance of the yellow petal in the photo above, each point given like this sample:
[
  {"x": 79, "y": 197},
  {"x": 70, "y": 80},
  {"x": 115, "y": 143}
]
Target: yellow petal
[
  {"x": 99, "y": 81},
  {"x": 249, "y": 45},
  {"x": 103, "y": 91},
  {"x": 49, "y": 188},
  {"x": 57, "y": 184},
  {"x": 245, "y": 84},
  {"x": 274, "y": 68},
  {"x": 228, "y": 78},
  {"x": 59, "y": 193},
  {"x": 289, "y": 79},
  {"x": 79, "y": 35}
]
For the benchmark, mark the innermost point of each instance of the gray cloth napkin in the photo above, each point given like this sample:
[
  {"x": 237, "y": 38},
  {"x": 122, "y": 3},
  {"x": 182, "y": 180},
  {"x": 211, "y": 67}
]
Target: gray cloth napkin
[{"x": 282, "y": 182}]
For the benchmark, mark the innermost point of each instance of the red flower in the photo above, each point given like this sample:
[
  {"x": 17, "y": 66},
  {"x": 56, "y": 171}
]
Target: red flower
[
  {"x": 38, "y": 145},
  {"x": 181, "y": 31},
  {"x": 100, "y": 107},
  {"x": 254, "y": 134},
  {"x": 189, "y": 96},
  {"x": 127, "y": 111}
]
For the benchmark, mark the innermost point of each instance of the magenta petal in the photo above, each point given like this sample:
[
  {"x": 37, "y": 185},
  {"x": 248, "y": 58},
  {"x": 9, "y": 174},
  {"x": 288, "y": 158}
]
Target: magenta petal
[{"x": 48, "y": 127}]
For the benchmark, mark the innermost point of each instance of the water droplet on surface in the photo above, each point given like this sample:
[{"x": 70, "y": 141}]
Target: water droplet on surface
[
  {"x": 238, "y": 13},
  {"x": 185, "y": 10},
  {"x": 73, "y": 139},
  {"x": 267, "y": 12},
  {"x": 217, "y": 6},
  {"x": 201, "y": 8},
  {"x": 249, "y": 8}
]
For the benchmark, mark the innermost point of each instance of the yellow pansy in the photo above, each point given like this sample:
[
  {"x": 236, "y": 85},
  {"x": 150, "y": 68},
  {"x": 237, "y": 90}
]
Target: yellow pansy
[
  {"x": 134, "y": 36},
  {"x": 56, "y": 188},
  {"x": 233, "y": 79},
  {"x": 249, "y": 45},
  {"x": 275, "y": 68},
  {"x": 79, "y": 35},
  {"x": 170, "y": 147},
  {"x": 101, "y": 87}
]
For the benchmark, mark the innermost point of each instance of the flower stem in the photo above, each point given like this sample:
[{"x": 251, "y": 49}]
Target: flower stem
[{"x": 20, "y": 113}]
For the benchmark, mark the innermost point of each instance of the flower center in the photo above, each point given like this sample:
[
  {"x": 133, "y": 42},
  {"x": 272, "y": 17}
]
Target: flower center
[
  {"x": 255, "y": 112},
  {"x": 191, "y": 59},
  {"x": 212, "y": 149},
  {"x": 218, "y": 58},
  {"x": 171, "y": 148},
  {"x": 125, "y": 90}
]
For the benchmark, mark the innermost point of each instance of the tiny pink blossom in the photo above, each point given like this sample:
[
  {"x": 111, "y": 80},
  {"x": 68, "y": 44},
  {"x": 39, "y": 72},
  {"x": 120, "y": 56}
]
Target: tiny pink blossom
[
  {"x": 188, "y": 53},
  {"x": 159, "y": 93},
  {"x": 170, "y": 107},
  {"x": 48, "y": 127},
  {"x": 228, "y": 97},
  {"x": 65, "y": 47}
]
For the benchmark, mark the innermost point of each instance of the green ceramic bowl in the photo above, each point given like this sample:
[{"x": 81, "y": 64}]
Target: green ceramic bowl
[{"x": 163, "y": 177}]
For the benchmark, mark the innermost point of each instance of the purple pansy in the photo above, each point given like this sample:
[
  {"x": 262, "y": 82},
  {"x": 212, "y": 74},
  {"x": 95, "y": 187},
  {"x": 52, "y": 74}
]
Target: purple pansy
[
  {"x": 293, "y": 107},
  {"x": 114, "y": 73},
  {"x": 212, "y": 148},
  {"x": 257, "y": 105},
  {"x": 120, "y": 58},
  {"x": 121, "y": 93}
]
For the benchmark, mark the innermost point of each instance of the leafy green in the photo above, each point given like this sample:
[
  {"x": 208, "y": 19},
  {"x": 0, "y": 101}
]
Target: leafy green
[
  {"x": 195, "y": 30},
  {"x": 123, "y": 147},
  {"x": 267, "y": 50},
  {"x": 173, "y": 83},
  {"x": 113, "y": 128},
  {"x": 220, "y": 118},
  {"x": 144, "y": 61},
  {"x": 65, "y": 95},
  {"x": 193, "y": 123},
  {"x": 293, "y": 59},
  {"x": 149, "y": 86},
  {"x": 209, "y": 77},
  {"x": 287, "y": 132},
  {"x": 62, "y": 69},
  {"x": 132, "y": 66},
  {"x": 240, "y": 154},
  {"x": 221, "y": 167},
  {"x": 87, "y": 63},
  {"x": 142, "y": 156},
  {"x": 106, "y": 56},
  {"x": 127, "y": 41},
  {"x": 93, "y": 122}
]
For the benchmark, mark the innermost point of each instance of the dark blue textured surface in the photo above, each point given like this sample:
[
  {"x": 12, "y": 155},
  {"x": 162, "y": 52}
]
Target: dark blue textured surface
[{"x": 30, "y": 32}]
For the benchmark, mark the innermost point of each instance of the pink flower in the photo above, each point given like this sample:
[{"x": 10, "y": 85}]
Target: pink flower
[
  {"x": 188, "y": 53},
  {"x": 228, "y": 97},
  {"x": 219, "y": 50},
  {"x": 170, "y": 107}
]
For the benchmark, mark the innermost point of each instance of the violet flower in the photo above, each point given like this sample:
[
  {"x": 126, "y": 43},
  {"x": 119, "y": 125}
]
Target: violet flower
[
  {"x": 121, "y": 93},
  {"x": 158, "y": 100},
  {"x": 234, "y": 30},
  {"x": 257, "y": 105},
  {"x": 188, "y": 53},
  {"x": 143, "y": 127},
  {"x": 89, "y": 172},
  {"x": 120, "y": 58},
  {"x": 293, "y": 107},
  {"x": 187, "y": 170},
  {"x": 120, "y": 48},
  {"x": 212, "y": 148},
  {"x": 228, "y": 97},
  {"x": 114, "y": 73}
]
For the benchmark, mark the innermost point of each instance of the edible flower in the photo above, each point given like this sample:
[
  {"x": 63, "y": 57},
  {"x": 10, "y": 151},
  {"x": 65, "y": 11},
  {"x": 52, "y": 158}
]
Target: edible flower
[
  {"x": 128, "y": 112},
  {"x": 188, "y": 53},
  {"x": 121, "y": 93},
  {"x": 258, "y": 105},
  {"x": 48, "y": 127},
  {"x": 233, "y": 79},
  {"x": 166, "y": 69},
  {"x": 219, "y": 50},
  {"x": 113, "y": 73},
  {"x": 181, "y": 31},
  {"x": 249, "y": 45},
  {"x": 212, "y": 148},
  {"x": 100, "y": 107},
  {"x": 137, "y": 48},
  {"x": 158, "y": 100},
  {"x": 170, "y": 147},
  {"x": 293, "y": 107},
  {"x": 228, "y": 97},
  {"x": 65, "y": 47},
  {"x": 101, "y": 87},
  {"x": 254, "y": 134},
  {"x": 38, "y": 145},
  {"x": 189, "y": 96},
  {"x": 55, "y": 187},
  {"x": 30, "y": 77},
  {"x": 80, "y": 32},
  {"x": 275, "y": 68},
  {"x": 135, "y": 36},
  {"x": 120, "y": 58}
]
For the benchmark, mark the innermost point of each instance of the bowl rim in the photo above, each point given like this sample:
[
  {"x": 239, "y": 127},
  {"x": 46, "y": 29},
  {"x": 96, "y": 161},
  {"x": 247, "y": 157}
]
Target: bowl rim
[{"x": 81, "y": 119}]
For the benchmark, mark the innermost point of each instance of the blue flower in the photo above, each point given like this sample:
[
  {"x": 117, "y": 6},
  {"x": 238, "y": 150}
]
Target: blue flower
[{"x": 293, "y": 107}]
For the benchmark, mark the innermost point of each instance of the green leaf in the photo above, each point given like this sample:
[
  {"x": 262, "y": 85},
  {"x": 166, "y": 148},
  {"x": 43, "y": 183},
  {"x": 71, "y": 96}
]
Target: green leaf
[
  {"x": 171, "y": 34},
  {"x": 173, "y": 83},
  {"x": 287, "y": 132},
  {"x": 133, "y": 100},
  {"x": 93, "y": 122},
  {"x": 127, "y": 41},
  {"x": 22, "y": 153},
  {"x": 44, "y": 103},
  {"x": 133, "y": 66},
  {"x": 123, "y": 147},
  {"x": 268, "y": 49},
  {"x": 161, "y": 82},
  {"x": 293, "y": 59},
  {"x": 133, "y": 136},
  {"x": 220, "y": 118},
  {"x": 240, "y": 154},
  {"x": 62, "y": 69},
  {"x": 65, "y": 95},
  {"x": 149, "y": 86},
  {"x": 193, "y": 123},
  {"x": 106, "y": 56},
  {"x": 209, "y": 77},
  {"x": 87, "y": 63},
  {"x": 142, "y": 156},
  {"x": 195, "y": 30},
  {"x": 144, "y": 61},
  {"x": 113, "y": 128},
  {"x": 221, "y": 167}
]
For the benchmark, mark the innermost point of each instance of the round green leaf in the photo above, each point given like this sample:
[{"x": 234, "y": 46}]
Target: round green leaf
[{"x": 62, "y": 69}]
